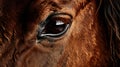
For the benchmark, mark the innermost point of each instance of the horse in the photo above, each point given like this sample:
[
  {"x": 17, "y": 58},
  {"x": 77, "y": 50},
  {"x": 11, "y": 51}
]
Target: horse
[{"x": 59, "y": 33}]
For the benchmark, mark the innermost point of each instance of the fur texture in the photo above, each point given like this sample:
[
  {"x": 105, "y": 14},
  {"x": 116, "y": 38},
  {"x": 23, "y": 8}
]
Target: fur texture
[{"x": 93, "y": 40}]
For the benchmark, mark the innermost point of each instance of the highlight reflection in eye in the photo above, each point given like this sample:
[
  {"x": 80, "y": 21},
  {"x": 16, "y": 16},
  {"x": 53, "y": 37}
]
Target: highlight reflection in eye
[
  {"x": 59, "y": 22},
  {"x": 55, "y": 25}
]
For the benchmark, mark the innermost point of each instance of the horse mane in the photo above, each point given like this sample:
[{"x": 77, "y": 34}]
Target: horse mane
[{"x": 108, "y": 13}]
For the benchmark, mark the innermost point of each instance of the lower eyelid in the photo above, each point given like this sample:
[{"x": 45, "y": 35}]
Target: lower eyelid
[{"x": 67, "y": 26}]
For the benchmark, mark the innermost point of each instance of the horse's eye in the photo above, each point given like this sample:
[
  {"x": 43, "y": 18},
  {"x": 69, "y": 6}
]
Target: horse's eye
[{"x": 55, "y": 25}]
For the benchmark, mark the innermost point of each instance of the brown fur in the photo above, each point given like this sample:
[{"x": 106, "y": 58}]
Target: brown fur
[{"x": 91, "y": 41}]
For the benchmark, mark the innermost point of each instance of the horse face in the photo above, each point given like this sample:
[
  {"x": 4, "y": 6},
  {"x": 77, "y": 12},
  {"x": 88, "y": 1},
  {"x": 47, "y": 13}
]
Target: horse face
[{"x": 51, "y": 33}]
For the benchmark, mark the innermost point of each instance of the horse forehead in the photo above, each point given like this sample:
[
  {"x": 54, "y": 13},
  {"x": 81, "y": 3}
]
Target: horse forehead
[
  {"x": 70, "y": 2},
  {"x": 63, "y": 2},
  {"x": 67, "y": 1},
  {"x": 64, "y": 5}
]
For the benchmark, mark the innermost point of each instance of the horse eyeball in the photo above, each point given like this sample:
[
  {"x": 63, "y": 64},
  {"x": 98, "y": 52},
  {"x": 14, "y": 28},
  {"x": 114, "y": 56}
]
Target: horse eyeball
[{"x": 55, "y": 25}]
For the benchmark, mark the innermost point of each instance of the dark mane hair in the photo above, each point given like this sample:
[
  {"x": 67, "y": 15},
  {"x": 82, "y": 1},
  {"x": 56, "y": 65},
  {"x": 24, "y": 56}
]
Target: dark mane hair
[{"x": 109, "y": 15}]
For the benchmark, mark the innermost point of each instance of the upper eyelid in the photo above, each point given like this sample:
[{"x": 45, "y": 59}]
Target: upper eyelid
[
  {"x": 42, "y": 24},
  {"x": 65, "y": 20},
  {"x": 58, "y": 13}
]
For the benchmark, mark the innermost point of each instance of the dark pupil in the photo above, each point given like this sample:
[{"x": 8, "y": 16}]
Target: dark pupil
[{"x": 52, "y": 27}]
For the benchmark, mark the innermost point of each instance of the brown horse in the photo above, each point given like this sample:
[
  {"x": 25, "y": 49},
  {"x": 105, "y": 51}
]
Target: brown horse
[{"x": 59, "y": 33}]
